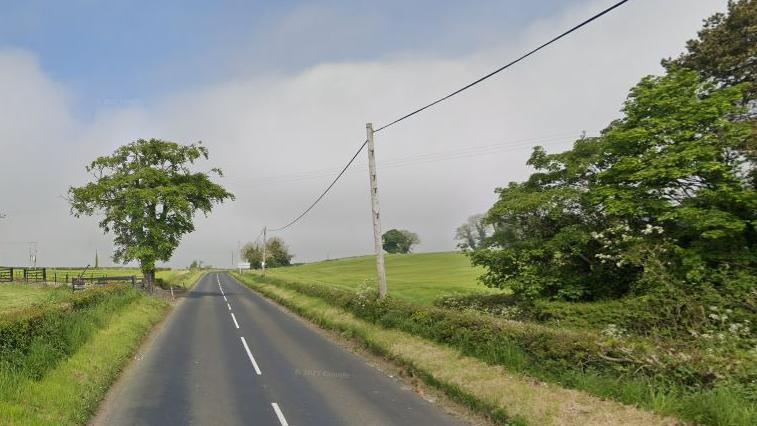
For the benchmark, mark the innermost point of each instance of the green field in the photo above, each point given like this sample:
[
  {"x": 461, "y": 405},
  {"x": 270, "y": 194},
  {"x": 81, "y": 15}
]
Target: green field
[
  {"x": 60, "y": 274},
  {"x": 419, "y": 278},
  {"x": 17, "y": 296}
]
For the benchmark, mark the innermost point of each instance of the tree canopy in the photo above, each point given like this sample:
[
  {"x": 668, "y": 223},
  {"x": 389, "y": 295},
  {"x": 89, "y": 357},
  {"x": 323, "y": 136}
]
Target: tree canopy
[
  {"x": 277, "y": 253},
  {"x": 472, "y": 234},
  {"x": 726, "y": 48},
  {"x": 664, "y": 190},
  {"x": 147, "y": 195},
  {"x": 665, "y": 196},
  {"x": 399, "y": 241}
]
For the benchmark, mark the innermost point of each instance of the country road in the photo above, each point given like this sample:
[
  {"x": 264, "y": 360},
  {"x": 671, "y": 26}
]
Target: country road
[{"x": 228, "y": 356}]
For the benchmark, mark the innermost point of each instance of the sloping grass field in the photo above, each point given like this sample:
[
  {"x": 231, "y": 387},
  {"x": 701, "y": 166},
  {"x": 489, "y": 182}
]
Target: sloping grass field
[{"x": 417, "y": 278}]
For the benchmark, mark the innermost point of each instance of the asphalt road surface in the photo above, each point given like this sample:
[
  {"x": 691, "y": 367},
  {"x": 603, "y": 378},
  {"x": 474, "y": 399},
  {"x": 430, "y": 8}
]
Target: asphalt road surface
[{"x": 228, "y": 356}]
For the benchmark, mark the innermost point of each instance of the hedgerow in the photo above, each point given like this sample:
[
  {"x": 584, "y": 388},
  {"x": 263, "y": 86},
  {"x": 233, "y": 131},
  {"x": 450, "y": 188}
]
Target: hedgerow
[
  {"x": 577, "y": 358},
  {"x": 35, "y": 339}
]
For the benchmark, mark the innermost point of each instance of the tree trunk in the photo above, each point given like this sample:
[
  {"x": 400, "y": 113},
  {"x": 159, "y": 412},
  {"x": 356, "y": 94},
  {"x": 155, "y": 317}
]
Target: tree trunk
[
  {"x": 148, "y": 272},
  {"x": 150, "y": 279}
]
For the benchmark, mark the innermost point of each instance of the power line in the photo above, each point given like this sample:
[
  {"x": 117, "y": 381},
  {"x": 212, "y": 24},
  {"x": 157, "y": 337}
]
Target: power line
[
  {"x": 425, "y": 157},
  {"x": 323, "y": 194},
  {"x": 468, "y": 86},
  {"x": 498, "y": 70}
]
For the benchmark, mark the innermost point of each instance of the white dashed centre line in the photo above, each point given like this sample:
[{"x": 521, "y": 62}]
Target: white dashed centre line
[
  {"x": 228, "y": 306},
  {"x": 225, "y": 299},
  {"x": 236, "y": 324},
  {"x": 249, "y": 354},
  {"x": 279, "y": 414}
]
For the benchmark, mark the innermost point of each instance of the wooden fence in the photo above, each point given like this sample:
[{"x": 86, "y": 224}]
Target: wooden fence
[{"x": 27, "y": 275}]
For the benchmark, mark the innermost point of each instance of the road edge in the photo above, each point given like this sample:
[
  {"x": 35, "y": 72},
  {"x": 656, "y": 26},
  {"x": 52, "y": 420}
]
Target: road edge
[
  {"x": 404, "y": 373},
  {"x": 100, "y": 413}
]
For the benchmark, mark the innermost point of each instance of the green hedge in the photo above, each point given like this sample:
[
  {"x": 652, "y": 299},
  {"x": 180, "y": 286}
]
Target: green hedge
[
  {"x": 550, "y": 352},
  {"x": 34, "y": 339},
  {"x": 672, "y": 316}
]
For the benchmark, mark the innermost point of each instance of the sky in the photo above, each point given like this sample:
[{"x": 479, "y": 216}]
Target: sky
[{"x": 280, "y": 91}]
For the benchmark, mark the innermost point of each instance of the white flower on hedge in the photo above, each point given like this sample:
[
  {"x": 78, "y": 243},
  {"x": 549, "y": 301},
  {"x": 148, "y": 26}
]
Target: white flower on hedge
[{"x": 650, "y": 229}]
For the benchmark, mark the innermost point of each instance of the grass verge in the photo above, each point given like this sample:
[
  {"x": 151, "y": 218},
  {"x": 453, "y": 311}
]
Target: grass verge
[
  {"x": 57, "y": 359},
  {"x": 69, "y": 394},
  {"x": 503, "y": 396},
  {"x": 181, "y": 278}
]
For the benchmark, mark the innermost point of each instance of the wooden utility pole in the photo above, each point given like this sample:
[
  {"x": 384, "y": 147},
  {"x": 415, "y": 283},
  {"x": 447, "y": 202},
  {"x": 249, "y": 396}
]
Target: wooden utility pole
[
  {"x": 264, "y": 254},
  {"x": 380, "y": 271}
]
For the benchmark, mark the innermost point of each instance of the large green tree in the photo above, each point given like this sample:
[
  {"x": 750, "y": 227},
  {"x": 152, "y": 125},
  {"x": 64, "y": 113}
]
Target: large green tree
[
  {"x": 677, "y": 160},
  {"x": 666, "y": 187},
  {"x": 147, "y": 195},
  {"x": 665, "y": 195}
]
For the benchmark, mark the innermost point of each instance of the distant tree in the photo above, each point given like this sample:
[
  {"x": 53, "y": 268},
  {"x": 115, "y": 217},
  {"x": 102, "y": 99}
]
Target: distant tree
[
  {"x": 196, "y": 264},
  {"x": 253, "y": 253},
  {"x": 399, "y": 241},
  {"x": 473, "y": 233},
  {"x": 147, "y": 195},
  {"x": 276, "y": 253}
]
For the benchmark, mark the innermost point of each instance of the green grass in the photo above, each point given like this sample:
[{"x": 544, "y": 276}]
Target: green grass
[
  {"x": 19, "y": 296},
  {"x": 59, "y": 275},
  {"x": 107, "y": 272},
  {"x": 184, "y": 278},
  {"x": 419, "y": 278},
  {"x": 70, "y": 388},
  {"x": 59, "y": 355}
]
